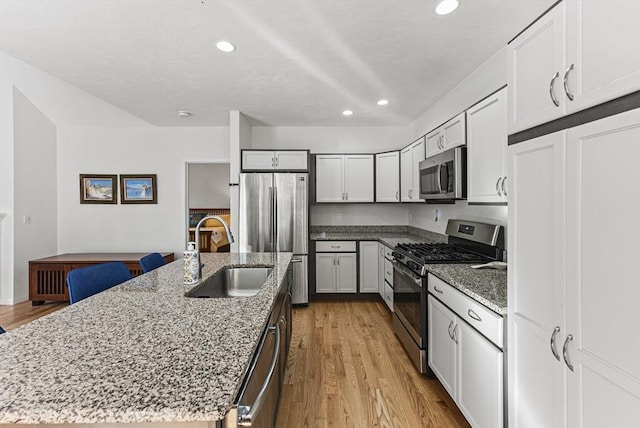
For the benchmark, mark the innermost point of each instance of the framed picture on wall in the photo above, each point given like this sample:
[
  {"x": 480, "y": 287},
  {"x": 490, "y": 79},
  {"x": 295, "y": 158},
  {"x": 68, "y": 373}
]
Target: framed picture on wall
[
  {"x": 138, "y": 189},
  {"x": 98, "y": 189}
]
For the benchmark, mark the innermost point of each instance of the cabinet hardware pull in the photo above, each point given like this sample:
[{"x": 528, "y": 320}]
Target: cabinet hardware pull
[
  {"x": 277, "y": 160},
  {"x": 397, "y": 195},
  {"x": 473, "y": 315},
  {"x": 409, "y": 193},
  {"x": 346, "y": 196},
  {"x": 565, "y": 351},
  {"x": 551, "y": 93},
  {"x": 552, "y": 343},
  {"x": 498, "y": 186},
  {"x": 566, "y": 84},
  {"x": 455, "y": 334},
  {"x": 435, "y": 287},
  {"x": 449, "y": 329},
  {"x": 504, "y": 190},
  {"x": 335, "y": 246}
]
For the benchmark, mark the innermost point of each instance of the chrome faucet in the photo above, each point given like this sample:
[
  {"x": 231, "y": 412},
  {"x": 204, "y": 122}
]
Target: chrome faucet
[{"x": 227, "y": 231}]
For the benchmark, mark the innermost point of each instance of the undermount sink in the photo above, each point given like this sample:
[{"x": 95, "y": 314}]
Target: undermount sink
[{"x": 232, "y": 282}]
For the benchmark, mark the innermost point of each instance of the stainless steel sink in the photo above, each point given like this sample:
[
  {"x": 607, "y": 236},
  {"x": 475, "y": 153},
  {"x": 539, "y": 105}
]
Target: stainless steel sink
[{"x": 232, "y": 282}]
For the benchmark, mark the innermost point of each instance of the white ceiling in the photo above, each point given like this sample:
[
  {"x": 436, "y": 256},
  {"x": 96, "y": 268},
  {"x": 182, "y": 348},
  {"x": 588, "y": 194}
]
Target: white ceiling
[{"x": 298, "y": 62}]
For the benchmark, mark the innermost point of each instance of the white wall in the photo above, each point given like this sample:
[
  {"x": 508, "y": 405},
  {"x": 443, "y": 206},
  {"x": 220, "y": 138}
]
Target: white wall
[
  {"x": 208, "y": 185},
  {"x": 35, "y": 190},
  {"x": 331, "y": 139},
  {"x": 422, "y": 215},
  {"x": 359, "y": 214},
  {"x": 129, "y": 228}
]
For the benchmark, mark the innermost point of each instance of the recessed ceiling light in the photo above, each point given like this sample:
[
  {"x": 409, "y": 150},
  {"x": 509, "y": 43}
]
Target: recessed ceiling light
[
  {"x": 225, "y": 46},
  {"x": 383, "y": 102},
  {"x": 184, "y": 113},
  {"x": 445, "y": 7},
  {"x": 347, "y": 112}
]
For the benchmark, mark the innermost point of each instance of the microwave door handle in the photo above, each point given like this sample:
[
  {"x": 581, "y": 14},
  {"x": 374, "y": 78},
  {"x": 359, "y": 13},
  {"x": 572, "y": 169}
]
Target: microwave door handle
[
  {"x": 444, "y": 186},
  {"x": 439, "y": 178}
]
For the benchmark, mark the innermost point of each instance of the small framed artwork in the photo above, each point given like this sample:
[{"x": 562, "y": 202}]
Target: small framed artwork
[
  {"x": 98, "y": 189},
  {"x": 138, "y": 189}
]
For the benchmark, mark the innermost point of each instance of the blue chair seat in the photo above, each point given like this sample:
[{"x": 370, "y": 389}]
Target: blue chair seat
[
  {"x": 152, "y": 261},
  {"x": 85, "y": 282}
]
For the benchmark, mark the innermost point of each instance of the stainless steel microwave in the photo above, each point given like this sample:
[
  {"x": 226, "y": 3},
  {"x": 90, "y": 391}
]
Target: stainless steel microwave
[{"x": 444, "y": 176}]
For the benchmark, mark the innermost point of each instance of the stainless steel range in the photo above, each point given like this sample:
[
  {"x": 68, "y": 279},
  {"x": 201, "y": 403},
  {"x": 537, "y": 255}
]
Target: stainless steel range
[{"x": 469, "y": 242}]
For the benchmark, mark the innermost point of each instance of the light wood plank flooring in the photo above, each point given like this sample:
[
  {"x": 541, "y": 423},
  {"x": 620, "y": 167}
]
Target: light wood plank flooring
[{"x": 345, "y": 369}]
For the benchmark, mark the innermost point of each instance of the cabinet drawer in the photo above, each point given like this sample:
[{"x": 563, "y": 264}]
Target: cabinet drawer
[
  {"x": 479, "y": 317},
  {"x": 335, "y": 247},
  {"x": 388, "y": 296},
  {"x": 388, "y": 271}
]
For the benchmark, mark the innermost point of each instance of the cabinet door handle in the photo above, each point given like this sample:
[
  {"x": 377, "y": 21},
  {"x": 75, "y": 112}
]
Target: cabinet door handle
[
  {"x": 346, "y": 196},
  {"x": 504, "y": 189},
  {"x": 565, "y": 351},
  {"x": 449, "y": 329},
  {"x": 435, "y": 287},
  {"x": 498, "y": 186},
  {"x": 277, "y": 161},
  {"x": 566, "y": 84},
  {"x": 335, "y": 246},
  {"x": 397, "y": 194},
  {"x": 551, "y": 93},
  {"x": 409, "y": 193},
  {"x": 473, "y": 315},
  {"x": 455, "y": 333},
  {"x": 552, "y": 342}
]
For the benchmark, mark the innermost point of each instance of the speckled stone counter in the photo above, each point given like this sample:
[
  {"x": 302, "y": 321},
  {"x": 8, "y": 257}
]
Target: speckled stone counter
[
  {"x": 486, "y": 286},
  {"x": 139, "y": 352}
]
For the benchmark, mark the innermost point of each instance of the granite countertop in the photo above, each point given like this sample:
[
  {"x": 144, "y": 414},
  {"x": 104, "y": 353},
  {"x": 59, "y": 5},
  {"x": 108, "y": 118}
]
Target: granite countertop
[
  {"x": 486, "y": 286},
  {"x": 139, "y": 352}
]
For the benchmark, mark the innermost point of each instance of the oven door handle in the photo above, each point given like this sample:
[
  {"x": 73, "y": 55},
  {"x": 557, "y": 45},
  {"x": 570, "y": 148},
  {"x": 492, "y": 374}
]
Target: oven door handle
[{"x": 406, "y": 272}]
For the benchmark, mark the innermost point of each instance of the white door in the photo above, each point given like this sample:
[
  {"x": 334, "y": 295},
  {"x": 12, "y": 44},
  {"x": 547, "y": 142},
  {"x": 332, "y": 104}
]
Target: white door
[
  {"x": 603, "y": 296},
  {"x": 358, "y": 178},
  {"x": 291, "y": 160},
  {"x": 442, "y": 348},
  {"x": 325, "y": 273},
  {"x": 257, "y": 160},
  {"x": 433, "y": 142},
  {"x": 330, "y": 178},
  {"x": 406, "y": 174},
  {"x": 603, "y": 39},
  {"x": 534, "y": 78},
  {"x": 368, "y": 266},
  {"x": 536, "y": 280},
  {"x": 480, "y": 378},
  {"x": 346, "y": 273},
  {"x": 388, "y": 177},
  {"x": 418, "y": 155},
  {"x": 487, "y": 149},
  {"x": 454, "y": 132}
]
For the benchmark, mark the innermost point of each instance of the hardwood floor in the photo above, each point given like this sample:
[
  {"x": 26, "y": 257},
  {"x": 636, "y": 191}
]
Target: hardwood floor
[
  {"x": 13, "y": 316},
  {"x": 347, "y": 369}
]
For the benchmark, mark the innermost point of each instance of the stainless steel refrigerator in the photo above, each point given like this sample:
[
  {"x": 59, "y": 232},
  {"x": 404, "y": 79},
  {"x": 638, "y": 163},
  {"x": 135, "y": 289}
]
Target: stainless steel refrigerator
[{"x": 274, "y": 217}]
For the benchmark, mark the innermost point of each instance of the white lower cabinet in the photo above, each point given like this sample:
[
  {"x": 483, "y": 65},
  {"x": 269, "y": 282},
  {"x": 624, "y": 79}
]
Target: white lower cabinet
[
  {"x": 574, "y": 348},
  {"x": 369, "y": 267},
  {"x": 468, "y": 364},
  {"x": 336, "y": 267}
]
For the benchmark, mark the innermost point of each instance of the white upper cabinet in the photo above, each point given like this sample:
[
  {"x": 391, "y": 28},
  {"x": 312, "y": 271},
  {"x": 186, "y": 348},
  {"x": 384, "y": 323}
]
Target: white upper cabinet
[
  {"x": 580, "y": 54},
  {"x": 280, "y": 160},
  {"x": 410, "y": 158},
  {"x": 451, "y": 134},
  {"x": 344, "y": 178},
  {"x": 603, "y": 51},
  {"x": 536, "y": 59},
  {"x": 487, "y": 149},
  {"x": 388, "y": 177}
]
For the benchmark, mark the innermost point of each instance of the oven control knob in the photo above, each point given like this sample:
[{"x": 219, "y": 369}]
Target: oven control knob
[
  {"x": 397, "y": 255},
  {"x": 413, "y": 265}
]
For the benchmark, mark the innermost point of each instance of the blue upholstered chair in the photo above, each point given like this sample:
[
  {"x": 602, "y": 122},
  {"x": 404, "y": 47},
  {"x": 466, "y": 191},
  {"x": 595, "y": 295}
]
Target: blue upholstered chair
[
  {"x": 151, "y": 261},
  {"x": 85, "y": 282},
  {"x": 1, "y": 330}
]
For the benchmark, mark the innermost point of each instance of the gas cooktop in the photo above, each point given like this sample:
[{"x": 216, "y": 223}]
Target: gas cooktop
[{"x": 440, "y": 253}]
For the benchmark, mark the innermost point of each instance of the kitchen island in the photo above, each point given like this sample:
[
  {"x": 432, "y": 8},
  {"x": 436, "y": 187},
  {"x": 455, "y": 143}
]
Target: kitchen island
[{"x": 140, "y": 352}]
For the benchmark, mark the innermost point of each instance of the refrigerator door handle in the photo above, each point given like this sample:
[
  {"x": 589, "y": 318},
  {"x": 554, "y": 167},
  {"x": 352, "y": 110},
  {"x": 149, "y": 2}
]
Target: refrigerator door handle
[{"x": 274, "y": 226}]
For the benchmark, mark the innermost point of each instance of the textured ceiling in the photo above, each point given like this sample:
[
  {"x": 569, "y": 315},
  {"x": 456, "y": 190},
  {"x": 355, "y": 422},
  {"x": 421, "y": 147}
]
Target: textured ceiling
[{"x": 297, "y": 63}]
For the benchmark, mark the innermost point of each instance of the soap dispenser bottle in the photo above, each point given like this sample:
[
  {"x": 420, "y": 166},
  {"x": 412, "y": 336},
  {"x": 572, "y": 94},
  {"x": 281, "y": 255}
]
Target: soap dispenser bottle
[{"x": 191, "y": 268}]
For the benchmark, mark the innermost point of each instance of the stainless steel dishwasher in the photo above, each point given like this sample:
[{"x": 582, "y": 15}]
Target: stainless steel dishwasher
[{"x": 259, "y": 397}]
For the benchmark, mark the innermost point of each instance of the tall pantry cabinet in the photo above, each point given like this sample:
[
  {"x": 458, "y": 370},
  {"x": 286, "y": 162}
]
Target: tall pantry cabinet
[{"x": 574, "y": 348}]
